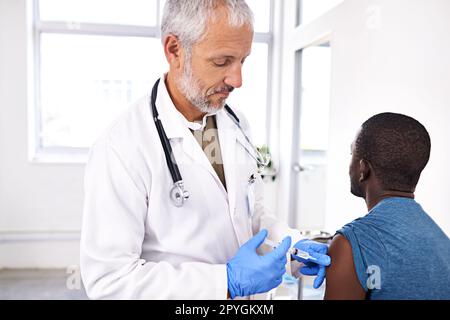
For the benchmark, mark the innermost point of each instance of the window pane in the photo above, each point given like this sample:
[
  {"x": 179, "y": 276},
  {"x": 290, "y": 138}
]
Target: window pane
[
  {"x": 316, "y": 77},
  {"x": 313, "y": 9},
  {"x": 251, "y": 98},
  {"x": 133, "y": 12},
  {"x": 261, "y": 10},
  {"x": 86, "y": 81}
]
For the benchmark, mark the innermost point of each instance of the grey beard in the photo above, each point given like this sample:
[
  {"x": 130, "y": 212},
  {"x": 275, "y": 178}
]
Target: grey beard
[{"x": 189, "y": 87}]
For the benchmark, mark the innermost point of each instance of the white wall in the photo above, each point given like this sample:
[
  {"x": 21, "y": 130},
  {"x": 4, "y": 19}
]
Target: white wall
[
  {"x": 387, "y": 55},
  {"x": 40, "y": 205}
]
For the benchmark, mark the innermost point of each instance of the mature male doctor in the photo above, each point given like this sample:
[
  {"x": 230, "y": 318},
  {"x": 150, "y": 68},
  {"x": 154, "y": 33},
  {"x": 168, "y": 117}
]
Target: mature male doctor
[{"x": 173, "y": 206}]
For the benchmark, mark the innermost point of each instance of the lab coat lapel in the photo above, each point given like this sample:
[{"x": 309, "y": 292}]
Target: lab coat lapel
[
  {"x": 169, "y": 115},
  {"x": 195, "y": 152},
  {"x": 227, "y": 139}
]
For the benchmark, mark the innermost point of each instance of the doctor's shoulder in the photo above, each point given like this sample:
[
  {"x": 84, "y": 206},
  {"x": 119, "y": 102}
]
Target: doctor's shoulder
[{"x": 126, "y": 130}]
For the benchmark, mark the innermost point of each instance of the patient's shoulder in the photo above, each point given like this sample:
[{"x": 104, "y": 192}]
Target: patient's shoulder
[
  {"x": 341, "y": 246},
  {"x": 342, "y": 280}
]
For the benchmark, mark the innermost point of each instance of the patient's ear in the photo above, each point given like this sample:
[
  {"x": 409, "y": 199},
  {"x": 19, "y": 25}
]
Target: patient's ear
[{"x": 365, "y": 170}]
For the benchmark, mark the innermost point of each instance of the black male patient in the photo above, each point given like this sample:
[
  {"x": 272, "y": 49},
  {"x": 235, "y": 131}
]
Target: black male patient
[{"x": 396, "y": 251}]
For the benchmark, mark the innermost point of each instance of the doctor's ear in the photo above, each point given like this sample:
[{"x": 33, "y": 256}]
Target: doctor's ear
[
  {"x": 173, "y": 50},
  {"x": 365, "y": 169}
]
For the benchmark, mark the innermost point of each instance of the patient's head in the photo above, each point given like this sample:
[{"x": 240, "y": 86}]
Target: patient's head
[{"x": 389, "y": 152}]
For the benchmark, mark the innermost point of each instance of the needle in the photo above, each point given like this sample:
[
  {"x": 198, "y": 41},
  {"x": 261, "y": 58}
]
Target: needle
[{"x": 293, "y": 251}]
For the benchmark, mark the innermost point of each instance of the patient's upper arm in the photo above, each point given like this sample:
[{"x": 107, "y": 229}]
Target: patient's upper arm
[{"x": 342, "y": 281}]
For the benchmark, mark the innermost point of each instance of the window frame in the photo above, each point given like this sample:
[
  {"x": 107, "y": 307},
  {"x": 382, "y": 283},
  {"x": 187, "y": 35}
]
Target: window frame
[
  {"x": 41, "y": 154},
  {"x": 302, "y": 160}
]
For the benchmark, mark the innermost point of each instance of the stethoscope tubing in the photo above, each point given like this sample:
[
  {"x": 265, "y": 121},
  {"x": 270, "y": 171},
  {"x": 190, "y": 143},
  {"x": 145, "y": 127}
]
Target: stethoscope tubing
[{"x": 170, "y": 159}]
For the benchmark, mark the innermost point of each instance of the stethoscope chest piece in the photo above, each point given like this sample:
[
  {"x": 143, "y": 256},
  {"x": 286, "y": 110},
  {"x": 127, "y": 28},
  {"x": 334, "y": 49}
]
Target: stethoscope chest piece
[{"x": 178, "y": 194}]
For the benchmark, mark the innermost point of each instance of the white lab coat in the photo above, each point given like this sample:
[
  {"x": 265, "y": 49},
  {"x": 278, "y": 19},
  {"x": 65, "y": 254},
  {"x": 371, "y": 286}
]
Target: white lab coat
[{"x": 135, "y": 243}]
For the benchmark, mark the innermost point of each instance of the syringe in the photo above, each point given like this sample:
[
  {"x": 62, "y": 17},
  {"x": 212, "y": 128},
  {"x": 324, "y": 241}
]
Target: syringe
[{"x": 293, "y": 251}]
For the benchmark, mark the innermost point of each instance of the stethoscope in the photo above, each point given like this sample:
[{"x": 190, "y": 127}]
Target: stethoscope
[{"x": 178, "y": 194}]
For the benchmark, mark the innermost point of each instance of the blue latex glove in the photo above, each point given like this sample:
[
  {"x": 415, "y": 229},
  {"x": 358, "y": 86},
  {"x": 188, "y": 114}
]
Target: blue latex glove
[
  {"x": 250, "y": 273},
  {"x": 317, "y": 267}
]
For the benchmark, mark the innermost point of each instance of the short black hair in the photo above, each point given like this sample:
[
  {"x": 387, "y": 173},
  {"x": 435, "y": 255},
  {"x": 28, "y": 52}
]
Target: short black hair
[{"x": 398, "y": 148}]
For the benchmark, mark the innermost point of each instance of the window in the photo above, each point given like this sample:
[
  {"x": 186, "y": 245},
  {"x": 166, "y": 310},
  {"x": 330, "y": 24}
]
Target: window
[
  {"x": 315, "y": 97},
  {"x": 130, "y": 12},
  {"x": 311, "y": 101},
  {"x": 91, "y": 63},
  {"x": 310, "y": 138}
]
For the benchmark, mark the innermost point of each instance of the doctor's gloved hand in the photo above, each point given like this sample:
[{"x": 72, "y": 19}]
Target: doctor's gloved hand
[
  {"x": 249, "y": 273},
  {"x": 318, "y": 266}
]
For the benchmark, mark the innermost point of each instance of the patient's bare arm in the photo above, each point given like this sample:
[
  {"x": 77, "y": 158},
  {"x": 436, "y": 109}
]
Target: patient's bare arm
[{"x": 342, "y": 281}]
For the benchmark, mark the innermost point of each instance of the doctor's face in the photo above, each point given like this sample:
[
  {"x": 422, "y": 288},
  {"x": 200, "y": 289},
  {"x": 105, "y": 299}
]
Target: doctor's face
[{"x": 214, "y": 68}]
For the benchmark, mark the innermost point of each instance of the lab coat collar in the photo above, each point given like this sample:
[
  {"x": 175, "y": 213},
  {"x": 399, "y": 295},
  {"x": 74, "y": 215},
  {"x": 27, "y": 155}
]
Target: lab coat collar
[
  {"x": 173, "y": 121},
  {"x": 230, "y": 128},
  {"x": 227, "y": 138},
  {"x": 198, "y": 125}
]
